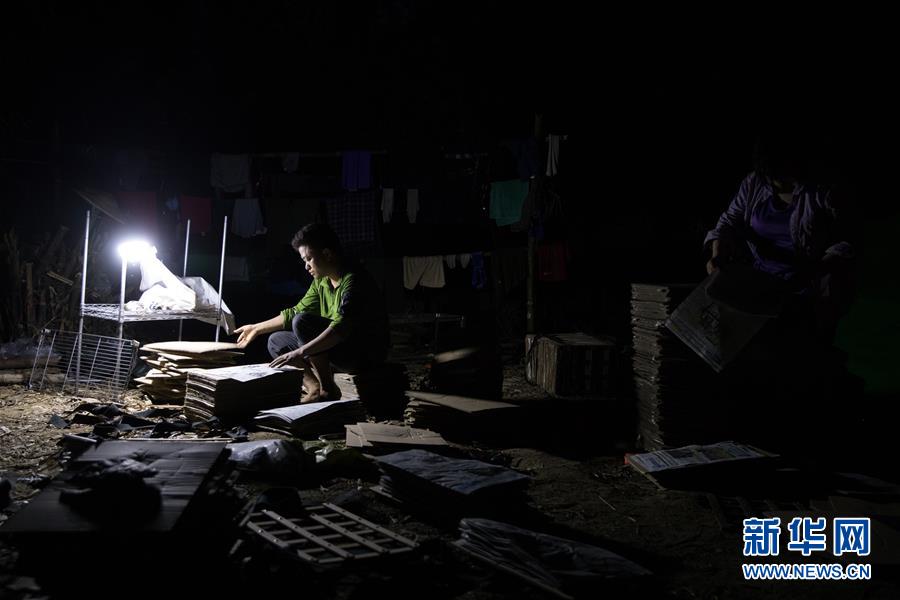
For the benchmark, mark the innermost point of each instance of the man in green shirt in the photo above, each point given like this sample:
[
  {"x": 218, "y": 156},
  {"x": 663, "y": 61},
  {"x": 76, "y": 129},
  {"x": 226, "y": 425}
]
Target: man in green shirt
[{"x": 341, "y": 322}]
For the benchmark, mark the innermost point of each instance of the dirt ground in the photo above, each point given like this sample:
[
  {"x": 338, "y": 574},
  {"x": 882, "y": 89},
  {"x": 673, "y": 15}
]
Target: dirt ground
[{"x": 591, "y": 495}]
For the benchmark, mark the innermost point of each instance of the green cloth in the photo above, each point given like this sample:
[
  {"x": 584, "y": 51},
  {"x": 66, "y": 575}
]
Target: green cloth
[{"x": 507, "y": 198}]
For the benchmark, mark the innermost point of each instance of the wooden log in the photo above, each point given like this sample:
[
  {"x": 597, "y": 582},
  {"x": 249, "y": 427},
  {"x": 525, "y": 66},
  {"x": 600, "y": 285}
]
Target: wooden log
[{"x": 24, "y": 375}]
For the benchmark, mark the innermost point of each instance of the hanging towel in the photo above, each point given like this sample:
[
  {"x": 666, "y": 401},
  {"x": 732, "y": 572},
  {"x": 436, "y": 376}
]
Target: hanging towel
[
  {"x": 450, "y": 259},
  {"x": 412, "y": 204},
  {"x": 553, "y": 155},
  {"x": 230, "y": 172},
  {"x": 507, "y": 198},
  {"x": 247, "y": 219},
  {"x": 387, "y": 204},
  {"x": 427, "y": 271},
  {"x": 464, "y": 260}
]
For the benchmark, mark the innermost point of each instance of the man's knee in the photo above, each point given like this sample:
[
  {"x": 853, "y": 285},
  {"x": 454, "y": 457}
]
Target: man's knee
[
  {"x": 281, "y": 342},
  {"x": 308, "y": 326}
]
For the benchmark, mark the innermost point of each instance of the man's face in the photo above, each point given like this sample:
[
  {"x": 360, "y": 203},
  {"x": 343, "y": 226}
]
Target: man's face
[{"x": 313, "y": 261}]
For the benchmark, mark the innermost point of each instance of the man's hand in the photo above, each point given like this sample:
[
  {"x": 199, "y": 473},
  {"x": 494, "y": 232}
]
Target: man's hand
[
  {"x": 246, "y": 334},
  {"x": 293, "y": 358}
]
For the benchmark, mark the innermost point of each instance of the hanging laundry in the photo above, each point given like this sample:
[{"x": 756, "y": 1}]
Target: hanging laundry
[
  {"x": 507, "y": 198},
  {"x": 553, "y": 155},
  {"x": 479, "y": 274},
  {"x": 387, "y": 204},
  {"x": 427, "y": 271},
  {"x": 412, "y": 204},
  {"x": 552, "y": 261},
  {"x": 198, "y": 210},
  {"x": 356, "y": 173},
  {"x": 526, "y": 152},
  {"x": 352, "y": 217},
  {"x": 230, "y": 172},
  {"x": 247, "y": 219},
  {"x": 453, "y": 259}
]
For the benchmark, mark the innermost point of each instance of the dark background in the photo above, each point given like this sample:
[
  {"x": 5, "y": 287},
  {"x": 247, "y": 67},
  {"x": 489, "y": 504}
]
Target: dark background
[{"x": 661, "y": 110}]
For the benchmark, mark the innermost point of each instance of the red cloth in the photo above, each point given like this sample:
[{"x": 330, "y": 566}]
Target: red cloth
[
  {"x": 139, "y": 208},
  {"x": 198, "y": 210},
  {"x": 552, "y": 259}
]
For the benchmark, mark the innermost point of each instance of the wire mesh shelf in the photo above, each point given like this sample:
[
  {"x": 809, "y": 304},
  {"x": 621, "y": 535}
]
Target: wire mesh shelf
[
  {"x": 326, "y": 535},
  {"x": 110, "y": 312},
  {"x": 93, "y": 365}
]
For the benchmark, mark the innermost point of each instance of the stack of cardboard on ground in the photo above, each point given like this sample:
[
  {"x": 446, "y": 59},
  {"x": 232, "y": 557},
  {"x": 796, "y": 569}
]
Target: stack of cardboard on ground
[
  {"x": 448, "y": 484},
  {"x": 676, "y": 392},
  {"x": 236, "y": 393},
  {"x": 381, "y": 436},
  {"x": 459, "y": 416},
  {"x": 308, "y": 421},
  {"x": 571, "y": 365},
  {"x": 165, "y": 382},
  {"x": 381, "y": 389}
]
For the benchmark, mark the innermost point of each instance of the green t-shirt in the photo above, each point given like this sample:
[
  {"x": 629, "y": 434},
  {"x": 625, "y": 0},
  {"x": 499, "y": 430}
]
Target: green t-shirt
[{"x": 356, "y": 306}]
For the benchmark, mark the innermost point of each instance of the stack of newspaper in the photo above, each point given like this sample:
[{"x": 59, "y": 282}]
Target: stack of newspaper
[
  {"x": 676, "y": 391},
  {"x": 311, "y": 420},
  {"x": 236, "y": 393},
  {"x": 165, "y": 382}
]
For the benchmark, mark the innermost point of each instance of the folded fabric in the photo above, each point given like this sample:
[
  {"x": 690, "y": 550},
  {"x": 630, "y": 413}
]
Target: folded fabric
[{"x": 427, "y": 271}]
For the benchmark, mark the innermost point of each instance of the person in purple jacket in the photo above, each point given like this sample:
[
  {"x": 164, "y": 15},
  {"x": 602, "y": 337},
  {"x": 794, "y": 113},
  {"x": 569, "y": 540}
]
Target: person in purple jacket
[{"x": 791, "y": 227}]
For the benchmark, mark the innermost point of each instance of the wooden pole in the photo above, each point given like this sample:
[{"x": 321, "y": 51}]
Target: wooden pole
[{"x": 29, "y": 297}]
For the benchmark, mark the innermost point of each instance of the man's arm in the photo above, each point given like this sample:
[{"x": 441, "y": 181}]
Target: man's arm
[
  {"x": 721, "y": 239},
  {"x": 324, "y": 342},
  {"x": 248, "y": 333}
]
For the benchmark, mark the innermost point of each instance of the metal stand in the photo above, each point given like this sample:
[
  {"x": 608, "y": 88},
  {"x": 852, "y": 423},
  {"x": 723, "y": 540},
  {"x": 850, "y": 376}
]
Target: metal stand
[{"x": 112, "y": 312}]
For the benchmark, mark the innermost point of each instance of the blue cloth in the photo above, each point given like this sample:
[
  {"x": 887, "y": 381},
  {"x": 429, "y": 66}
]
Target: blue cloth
[
  {"x": 357, "y": 170},
  {"x": 479, "y": 274}
]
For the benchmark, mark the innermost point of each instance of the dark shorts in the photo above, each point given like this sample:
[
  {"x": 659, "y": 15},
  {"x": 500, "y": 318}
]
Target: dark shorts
[{"x": 350, "y": 356}]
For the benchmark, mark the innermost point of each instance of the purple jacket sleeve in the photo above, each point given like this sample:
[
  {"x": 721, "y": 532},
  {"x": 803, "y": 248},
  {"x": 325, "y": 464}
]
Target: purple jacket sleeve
[{"x": 732, "y": 222}]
